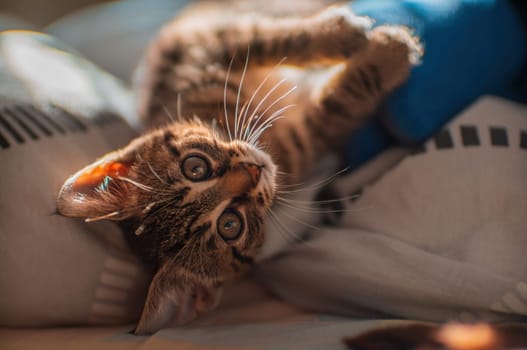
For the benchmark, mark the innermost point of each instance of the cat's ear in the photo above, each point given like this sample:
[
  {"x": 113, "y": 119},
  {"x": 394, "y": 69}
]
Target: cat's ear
[
  {"x": 175, "y": 298},
  {"x": 101, "y": 190}
]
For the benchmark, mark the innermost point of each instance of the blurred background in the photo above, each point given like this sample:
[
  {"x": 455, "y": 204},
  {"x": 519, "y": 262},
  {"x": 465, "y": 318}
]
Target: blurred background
[
  {"x": 41, "y": 13},
  {"x": 112, "y": 34}
]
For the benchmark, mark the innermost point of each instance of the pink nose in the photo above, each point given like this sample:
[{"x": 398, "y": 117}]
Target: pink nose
[{"x": 254, "y": 171}]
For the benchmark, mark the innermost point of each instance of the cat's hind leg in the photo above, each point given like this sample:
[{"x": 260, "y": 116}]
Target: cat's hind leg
[
  {"x": 343, "y": 100},
  {"x": 348, "y": 97}
]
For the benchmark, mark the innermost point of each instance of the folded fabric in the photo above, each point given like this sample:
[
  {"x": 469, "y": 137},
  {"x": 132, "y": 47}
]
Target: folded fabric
[
  {"x": 57, "y": 113},
  {"x": 472, "y": 47},
  {"x": 440, "y": 236},
  {"x": 105, "y": 34}
]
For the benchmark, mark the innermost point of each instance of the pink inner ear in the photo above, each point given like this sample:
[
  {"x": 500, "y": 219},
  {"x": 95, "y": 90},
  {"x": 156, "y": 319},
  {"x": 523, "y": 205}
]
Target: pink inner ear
[{"x": 93, "y": 177}]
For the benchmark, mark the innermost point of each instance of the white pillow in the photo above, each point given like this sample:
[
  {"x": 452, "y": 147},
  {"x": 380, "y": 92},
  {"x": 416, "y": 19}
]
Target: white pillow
[
  {"x": 58, "y": 113},
  {"x": 440, "y": 236}
]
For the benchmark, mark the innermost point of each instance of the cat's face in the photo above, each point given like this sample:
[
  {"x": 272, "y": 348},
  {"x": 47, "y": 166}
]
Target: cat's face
[{"x": 191, "y": 202}]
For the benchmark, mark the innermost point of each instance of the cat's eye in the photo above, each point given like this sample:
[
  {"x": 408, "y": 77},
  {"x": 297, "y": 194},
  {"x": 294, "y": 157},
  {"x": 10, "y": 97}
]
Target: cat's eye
[
  {"x": 230, "y": 225},
  {"x": 195, "y": 168}
]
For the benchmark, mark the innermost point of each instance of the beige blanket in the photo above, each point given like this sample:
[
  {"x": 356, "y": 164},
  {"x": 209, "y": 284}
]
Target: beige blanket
[
  {"x": 248, "y": 318},
  {"x": 439, "y": 236}
]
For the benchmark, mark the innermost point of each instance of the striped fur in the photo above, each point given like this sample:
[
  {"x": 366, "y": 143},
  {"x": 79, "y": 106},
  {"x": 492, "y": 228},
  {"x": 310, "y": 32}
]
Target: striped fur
[{"x": 213, "y": 82}]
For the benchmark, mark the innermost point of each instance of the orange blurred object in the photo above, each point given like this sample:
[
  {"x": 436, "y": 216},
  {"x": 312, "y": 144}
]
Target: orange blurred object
[{"x": 467, "y": 337}]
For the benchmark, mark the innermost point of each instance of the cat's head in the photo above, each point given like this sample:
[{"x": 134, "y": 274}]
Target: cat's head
[{"x": 191, "y": 202}]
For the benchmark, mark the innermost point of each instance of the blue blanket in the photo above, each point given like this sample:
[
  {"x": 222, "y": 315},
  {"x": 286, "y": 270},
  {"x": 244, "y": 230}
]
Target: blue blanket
[{"x": 472, "y": 48}]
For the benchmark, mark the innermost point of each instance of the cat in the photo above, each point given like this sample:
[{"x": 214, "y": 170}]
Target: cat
[{"x": 222, "y": 138}]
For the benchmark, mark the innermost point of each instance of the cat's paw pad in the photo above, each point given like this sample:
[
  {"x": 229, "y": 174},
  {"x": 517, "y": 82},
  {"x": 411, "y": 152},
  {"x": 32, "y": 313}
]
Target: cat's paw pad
[{"x": 399, "y": 41}]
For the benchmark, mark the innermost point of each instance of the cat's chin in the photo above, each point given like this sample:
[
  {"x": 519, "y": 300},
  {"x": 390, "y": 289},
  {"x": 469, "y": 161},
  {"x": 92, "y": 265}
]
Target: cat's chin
[
  {"x": 175, "y": 298},
  {"x": 178, "y": 308}
]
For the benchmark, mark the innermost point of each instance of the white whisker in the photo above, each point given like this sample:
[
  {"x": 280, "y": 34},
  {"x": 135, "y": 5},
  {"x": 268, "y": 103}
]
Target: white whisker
[
  {"x": 287, "y": 93},
  {"x": 139, "y": 230},
  {"x": 178, "y": 107},
  {"x": 214, "y": 126},
  {"x": 254, "y": 138},
  {"x": 168, "y": 112},
  {"x": 302, "y": 222},
  {"x": 240, "y": 86},
  {"x": 244, "y": 108},
  {"x": 313, "y": 210},
  {"x": 256, "y": 128},
  {"x": 311, "y": 186},
  {"x": 326, "y": 201},
  {"x": 156, "y": 174},
  {"x": 166, "y": 203},
  {"x": 296, "y": 237},
  {"x": 267, "y": 76},
  {"x": 137, "y": 184},
  {"x": 225, "y": 98},
  {"x": 284, "y": 231},
  {"x": 276, "y": 86},
  {"x": 149, "y": 207},
  {"x": 102, "y": 217},
  {"x": 255, "y": 135}
]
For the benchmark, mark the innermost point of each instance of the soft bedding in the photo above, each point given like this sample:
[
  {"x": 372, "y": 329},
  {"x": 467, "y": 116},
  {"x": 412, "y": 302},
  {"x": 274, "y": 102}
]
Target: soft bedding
[
  {"x": 434, "y": 233},
  {"x": 55, "y": 115},
  {"x": 247, "y": 319},
  {"x": 439, "y": 236}
]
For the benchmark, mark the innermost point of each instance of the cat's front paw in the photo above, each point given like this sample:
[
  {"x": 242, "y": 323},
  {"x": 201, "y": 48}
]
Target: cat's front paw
[
  {"x": 399, "y": 40},
  {"x": 393, "y": 51},
  {"x": 340, "y": 32},
  {"x": 342, "y": 17}
]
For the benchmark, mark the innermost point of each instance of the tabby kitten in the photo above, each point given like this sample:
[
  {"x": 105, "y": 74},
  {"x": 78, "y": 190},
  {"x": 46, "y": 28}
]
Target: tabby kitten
[{"x": 191, "y": 194}]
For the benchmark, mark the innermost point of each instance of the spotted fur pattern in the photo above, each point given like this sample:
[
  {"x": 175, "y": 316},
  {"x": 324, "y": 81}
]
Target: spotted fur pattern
[{"x": 213, "y": 83}]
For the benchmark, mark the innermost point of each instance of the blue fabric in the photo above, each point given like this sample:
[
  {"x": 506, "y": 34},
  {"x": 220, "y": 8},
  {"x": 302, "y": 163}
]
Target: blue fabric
[{"x": 472, "y": 47}]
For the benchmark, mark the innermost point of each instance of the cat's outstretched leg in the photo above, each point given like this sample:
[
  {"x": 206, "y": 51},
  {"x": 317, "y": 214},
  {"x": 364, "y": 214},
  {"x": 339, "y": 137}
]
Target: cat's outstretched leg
[
  {"x": 356, "y": 91},
  {"x": 176, "y": 297},
  {"x": 345, "y": 99},
  {"x": 189, "y": 57}
]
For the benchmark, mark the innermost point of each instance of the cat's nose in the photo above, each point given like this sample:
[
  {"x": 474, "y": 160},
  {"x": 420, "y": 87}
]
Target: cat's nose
[
  {"x": 239, "y": 180},
  {"x": 254, "y": 170}
]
